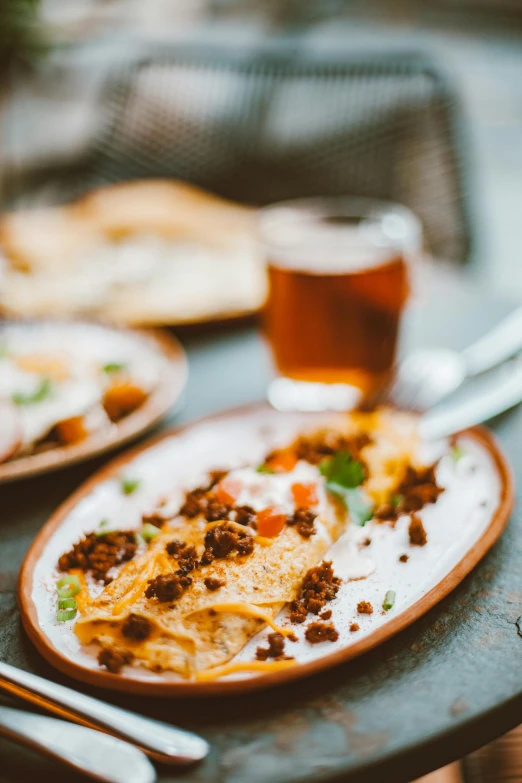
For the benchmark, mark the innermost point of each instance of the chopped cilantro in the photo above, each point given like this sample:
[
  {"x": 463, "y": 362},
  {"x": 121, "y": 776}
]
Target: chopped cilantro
[
  {"x": 457, "y": 452},
  {"x": 355, "y": 500},
  {"x": 342, "y": 469},
  {"x": 129, "y": 485},
  {"x": 264, "y": 469},
  {"x": 389, "y": 600},
  {"x": 343, "y": 476},
  {"x": 41, "y": 393},
  {"x": 114, "y": 367}
]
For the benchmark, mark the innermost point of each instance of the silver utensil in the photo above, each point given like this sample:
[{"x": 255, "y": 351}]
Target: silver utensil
[
  {"x": 159, "y": 739},
  {"x": 499, "y": 392},
  {"x": 98, "y": 755},
  {"x": 428, "y": 375}
]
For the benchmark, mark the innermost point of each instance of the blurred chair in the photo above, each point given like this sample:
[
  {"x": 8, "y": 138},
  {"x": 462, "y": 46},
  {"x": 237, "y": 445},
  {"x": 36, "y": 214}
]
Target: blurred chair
[{"x": 273, "y": 122}]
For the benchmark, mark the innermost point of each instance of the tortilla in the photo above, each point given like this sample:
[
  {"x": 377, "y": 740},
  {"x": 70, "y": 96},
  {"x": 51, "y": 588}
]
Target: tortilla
[{"x": 194, "y": 633}]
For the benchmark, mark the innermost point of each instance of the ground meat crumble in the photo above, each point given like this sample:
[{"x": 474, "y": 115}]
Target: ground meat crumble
[
  {"x": 275, "y": 649},
  {"x": 136, "y": 627},
  {"x": 245, "y": 515},
  {"x": 326, "y": 614},
  {"x": 354, "y": 627},
  {"x": 320, "y": 585},
  {"x": 213, "y": 584},
  {"x": 325, "y": 444},
  {"x": 404, "y": 558},
  {"x": 155, "y": 518},
  {"x": 418, "y": 488},
  {"x": 220, "y": 541},
  {"x": 321, "y": 632},
  {"x": 303, "y": 519},
  {"x": 168, "y": 587},
  {"x": 416, "y": 531},
  {"x": 114, "y": 660},
  {"x": 364, "y": 607},
  {"x": 202, "y": 501},
  {"x": 99, "y": 553}
]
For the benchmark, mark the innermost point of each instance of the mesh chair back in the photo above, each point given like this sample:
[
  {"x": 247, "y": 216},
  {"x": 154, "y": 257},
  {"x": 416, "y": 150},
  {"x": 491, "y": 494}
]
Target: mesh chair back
[{"x": 263, "y": 127}]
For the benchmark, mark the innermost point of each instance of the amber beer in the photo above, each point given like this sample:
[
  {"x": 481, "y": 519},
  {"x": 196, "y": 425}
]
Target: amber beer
[{"x": 333, "y": 317}]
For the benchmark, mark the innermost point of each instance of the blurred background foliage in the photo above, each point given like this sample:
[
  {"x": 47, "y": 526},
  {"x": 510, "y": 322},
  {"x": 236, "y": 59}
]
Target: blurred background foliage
[{"x": 22, "y": 40}]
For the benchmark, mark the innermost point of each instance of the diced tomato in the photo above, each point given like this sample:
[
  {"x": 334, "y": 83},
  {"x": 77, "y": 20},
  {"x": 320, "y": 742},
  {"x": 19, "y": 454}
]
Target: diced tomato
[
  {"x": 120, "y": 399},
  {"x": 71, "y": 430},
  {"x": 283, "y": 461},
  {"x": 270, "y": 521},
  {"x": 228, "y": 490},
  {"x": 305, "y": 495}
]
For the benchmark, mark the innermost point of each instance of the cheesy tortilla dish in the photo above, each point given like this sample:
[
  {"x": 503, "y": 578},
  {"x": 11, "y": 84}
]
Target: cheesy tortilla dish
[{"x": 188, "y": 589}]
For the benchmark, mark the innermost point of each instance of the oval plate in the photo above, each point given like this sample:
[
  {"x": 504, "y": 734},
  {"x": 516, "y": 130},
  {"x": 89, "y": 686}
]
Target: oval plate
[
  {"x": 229, "y": 439},
  {"x": 173, "y": 377}
]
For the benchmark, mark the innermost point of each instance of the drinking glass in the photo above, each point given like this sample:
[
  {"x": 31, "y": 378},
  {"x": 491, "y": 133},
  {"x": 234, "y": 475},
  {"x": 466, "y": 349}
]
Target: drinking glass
[{"x": 338, "y": 273}]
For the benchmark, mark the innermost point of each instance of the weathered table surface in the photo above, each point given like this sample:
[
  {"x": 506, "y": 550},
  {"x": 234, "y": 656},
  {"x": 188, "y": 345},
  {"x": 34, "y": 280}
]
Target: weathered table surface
[{"x": 448, "y": 684}]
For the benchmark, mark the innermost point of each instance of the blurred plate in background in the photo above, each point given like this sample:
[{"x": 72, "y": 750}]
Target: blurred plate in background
[{"x": 69, "y": 391}]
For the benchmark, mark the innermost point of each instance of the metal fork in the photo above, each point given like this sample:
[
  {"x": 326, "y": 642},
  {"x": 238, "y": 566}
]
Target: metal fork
[{"x": 428, "y": 375}]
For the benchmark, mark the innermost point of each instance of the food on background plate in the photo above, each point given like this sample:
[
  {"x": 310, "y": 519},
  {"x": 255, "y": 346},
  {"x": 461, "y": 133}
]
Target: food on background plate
[
  {"x": 268, "y": 563},
  {"x": 60, "y": 384},
  {"x": 139, "y": 253}
]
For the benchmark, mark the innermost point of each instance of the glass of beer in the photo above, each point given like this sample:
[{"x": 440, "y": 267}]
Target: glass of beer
[{"x": 339, "y": 280}]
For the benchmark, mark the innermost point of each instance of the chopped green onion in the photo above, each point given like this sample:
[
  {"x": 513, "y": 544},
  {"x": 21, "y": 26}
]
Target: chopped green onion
[
  {"x": 457, "y": 452},
  {"x": 104, "y": 529},
  {"x": 3, "y": 350},
  {"x": 62, "y": 615},
  {"x": 67, "y": 603},
  {"x": 264, "y": 469},
  {"x": 68, "y": 592},
  {"x": 148, "y": 532},
  {"x": 114, "y": 367},
  {"x": 40, "y": 394},
  {"x": 389, "y": 600},
  {"x": 129, "y": 485},
  {"x": 396, "y": 500},
  {"x": 70, "y": 579},
  {"x": 68, "y": 586}
]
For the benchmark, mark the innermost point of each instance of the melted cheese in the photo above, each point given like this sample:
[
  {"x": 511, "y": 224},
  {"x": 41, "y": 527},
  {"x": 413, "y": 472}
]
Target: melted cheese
[
  {"x": 250, "y": 610},
  {"x": 83, "y": 598},
  {"x": 242, "y": 666},
  {"x": 139, "y": 584}
]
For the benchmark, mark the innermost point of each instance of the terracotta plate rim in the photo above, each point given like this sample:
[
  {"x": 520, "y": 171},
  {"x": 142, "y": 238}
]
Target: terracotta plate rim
[
  {"x": 167, "y": 393},
  {"x": 131, "y": 684}
]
